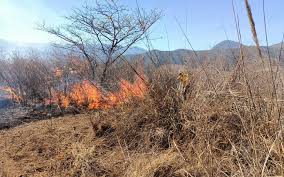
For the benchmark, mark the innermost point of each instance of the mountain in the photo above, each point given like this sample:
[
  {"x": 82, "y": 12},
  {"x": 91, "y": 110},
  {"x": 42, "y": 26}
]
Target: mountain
[
  {"x": 188, "y": 57},
  {"x": 135, "y": 51},
  {"x": 5, "y": 45},
  {"x": 278, "y": 45},
  {"x": 168, "y": 57},
  {"x": 227, "y": 44},
  {"x": 9, "y": 47},
  {"x": 226, "y": 50}
]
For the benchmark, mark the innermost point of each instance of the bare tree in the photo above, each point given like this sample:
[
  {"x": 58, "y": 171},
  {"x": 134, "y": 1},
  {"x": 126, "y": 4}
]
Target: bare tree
[{"x": 104, "y": 32}]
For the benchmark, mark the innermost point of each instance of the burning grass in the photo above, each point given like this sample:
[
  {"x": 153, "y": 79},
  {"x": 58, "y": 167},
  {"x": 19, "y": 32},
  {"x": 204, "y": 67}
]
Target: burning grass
[
  {"x": 11, "y": 93},
  {"x": 88, "y": 94}
]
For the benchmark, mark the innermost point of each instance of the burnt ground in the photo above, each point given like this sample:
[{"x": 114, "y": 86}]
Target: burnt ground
[
  {"x": 12, "y": 115},
  {"x": 15, "y": 115}
]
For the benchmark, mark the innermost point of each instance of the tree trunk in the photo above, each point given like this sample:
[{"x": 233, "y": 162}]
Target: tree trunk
[
  {"x": 93, "y": 72},
  {"x": 103, "y": 78}
]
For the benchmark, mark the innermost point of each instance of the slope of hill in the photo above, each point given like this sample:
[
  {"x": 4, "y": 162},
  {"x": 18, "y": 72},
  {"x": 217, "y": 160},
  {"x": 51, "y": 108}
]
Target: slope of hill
[{"x": 278, "y": 45}]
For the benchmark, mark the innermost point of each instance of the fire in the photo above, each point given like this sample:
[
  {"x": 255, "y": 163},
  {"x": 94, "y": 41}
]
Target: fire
[
  {"x": 12, "y": 94},
  {"x": 128, "y": 89},
  {"x": 87, "y": 94}
]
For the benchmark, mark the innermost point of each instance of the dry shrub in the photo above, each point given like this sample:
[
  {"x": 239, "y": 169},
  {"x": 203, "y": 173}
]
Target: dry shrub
[
  {"x": 29, "y": 76},
  {"x": 223, "y": 132},
  {"x": 155, "y": 121}
]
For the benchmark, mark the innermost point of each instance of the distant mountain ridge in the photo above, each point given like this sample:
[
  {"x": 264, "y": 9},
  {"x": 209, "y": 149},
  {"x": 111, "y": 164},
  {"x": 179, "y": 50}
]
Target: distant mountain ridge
[
  {"x": 9, "y": 47},
  {"x": 227, "y": 49},
  {"x": 227, "y": 44},
  {"x": 279, "y": 45}
]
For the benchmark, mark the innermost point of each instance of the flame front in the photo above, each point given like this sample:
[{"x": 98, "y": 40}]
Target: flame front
[
  {"x": 12, "y": 94},
  {"x": 87, "y": 95}
]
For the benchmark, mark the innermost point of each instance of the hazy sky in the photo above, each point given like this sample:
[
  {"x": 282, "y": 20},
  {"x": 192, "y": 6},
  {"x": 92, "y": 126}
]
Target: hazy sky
[{"x": 206, "y": 21}]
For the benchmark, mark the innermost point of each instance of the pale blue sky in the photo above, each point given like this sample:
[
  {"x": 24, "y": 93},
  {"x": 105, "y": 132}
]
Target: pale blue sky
[{"x": 207, "y": 20}]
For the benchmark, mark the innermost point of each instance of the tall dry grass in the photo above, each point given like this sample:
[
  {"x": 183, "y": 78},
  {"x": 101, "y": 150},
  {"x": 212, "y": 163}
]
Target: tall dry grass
[{"x": 233, "y": 133}]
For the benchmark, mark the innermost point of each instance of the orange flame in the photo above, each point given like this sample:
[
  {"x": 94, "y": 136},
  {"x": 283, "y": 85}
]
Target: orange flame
[
  {"x": 12, "y": 94},
  {"x": 87, "y": 94}
]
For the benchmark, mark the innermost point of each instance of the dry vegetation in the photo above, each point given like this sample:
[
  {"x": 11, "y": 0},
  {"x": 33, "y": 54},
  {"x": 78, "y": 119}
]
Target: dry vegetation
[
  {"x": 231, "y": 130},
  {"x": 224, "y": 122}
]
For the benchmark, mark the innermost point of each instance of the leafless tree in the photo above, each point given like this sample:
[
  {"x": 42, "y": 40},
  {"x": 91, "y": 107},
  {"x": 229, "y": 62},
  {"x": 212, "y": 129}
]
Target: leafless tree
[{"x": 104, "y": 32}]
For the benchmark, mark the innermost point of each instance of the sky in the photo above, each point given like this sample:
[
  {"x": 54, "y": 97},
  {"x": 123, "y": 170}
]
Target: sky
[{"x": 206, "y": 22}]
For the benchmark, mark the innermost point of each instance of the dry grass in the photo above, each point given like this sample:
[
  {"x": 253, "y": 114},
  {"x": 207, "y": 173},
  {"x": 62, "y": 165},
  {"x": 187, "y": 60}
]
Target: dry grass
[
  {"x": 252, "y": 27},
  {"x": 231, "y": 131}
]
